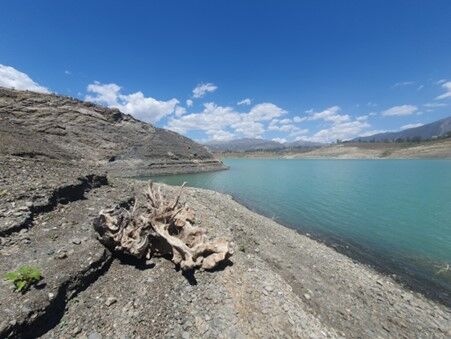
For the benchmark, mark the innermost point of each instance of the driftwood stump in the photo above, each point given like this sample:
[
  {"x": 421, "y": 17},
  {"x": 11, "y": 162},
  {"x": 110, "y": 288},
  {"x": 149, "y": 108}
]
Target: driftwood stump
[{"x": 155, "y": 225}]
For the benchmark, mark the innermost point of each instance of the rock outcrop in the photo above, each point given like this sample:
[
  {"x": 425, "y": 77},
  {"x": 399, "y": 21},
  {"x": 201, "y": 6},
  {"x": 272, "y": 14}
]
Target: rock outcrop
[{"x": 57, "y": 127}]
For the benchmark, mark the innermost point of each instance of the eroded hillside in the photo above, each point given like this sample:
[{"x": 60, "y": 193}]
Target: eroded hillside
[{"x": 52, "y": 126}]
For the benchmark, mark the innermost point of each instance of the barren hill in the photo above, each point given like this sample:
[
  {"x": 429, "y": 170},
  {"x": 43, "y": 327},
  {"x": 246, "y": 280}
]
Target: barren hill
[{"x": 52, "y": 126}]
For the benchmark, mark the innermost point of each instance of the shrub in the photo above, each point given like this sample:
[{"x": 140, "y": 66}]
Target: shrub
[{"x": 24, "y": 277}]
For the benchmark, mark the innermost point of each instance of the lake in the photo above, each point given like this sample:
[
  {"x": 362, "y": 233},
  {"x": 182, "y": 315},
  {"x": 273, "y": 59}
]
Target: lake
[{"x": 393, "y": 214}]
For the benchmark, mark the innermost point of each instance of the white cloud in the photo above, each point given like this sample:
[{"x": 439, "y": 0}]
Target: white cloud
[
  {"x": 246, "y": 101},
  {"x": 218, "y": 121},
  {"x": 189, "y": 102},
  {"x": 299, "y": 119},
  {"x": 249, "y": 128},
  {"x": 403, "y": 84},
  {"x": 67, "y": 72},
  {"x": 362, "y": 117},
  {"x": 200, "y": 90},
  {"x": 212, "y": 118},
  {"x": 12, "y": 78},
  {"x": 285, "y": 121},
  {"x": 281, "y": 140},
  {"x": 342, "y": 126},
  {"x": 447, "y": 87},
  {"x": 441, "y": 81},
  {"x": 330, "y": 115},
  {"x": 411, "y": 126},
  {"x": 400, "y": 110},
  {"x": 284, "y": 125},
  {"x": 144, "y": 108},
  {"x": 342, "y": 131},
  {"x": 265, "y": 111},
  {"x": 435, "y": 105},
  {"x": 220, "y": 135},
  {"x": 179, "y": 111}
]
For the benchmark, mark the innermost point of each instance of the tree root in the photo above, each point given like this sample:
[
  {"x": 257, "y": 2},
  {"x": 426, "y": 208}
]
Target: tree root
[{"x": 157, "y": 226}]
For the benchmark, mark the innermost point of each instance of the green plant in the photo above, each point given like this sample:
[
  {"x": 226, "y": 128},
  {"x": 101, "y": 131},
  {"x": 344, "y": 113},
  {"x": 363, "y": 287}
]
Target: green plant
[{"x": 24, "y": 277}]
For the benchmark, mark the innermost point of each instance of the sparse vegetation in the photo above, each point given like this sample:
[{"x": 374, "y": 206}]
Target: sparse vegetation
[{"x": 24, "y": 277}]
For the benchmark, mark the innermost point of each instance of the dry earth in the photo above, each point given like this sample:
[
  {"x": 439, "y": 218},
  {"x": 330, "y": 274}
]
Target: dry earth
[{"x": 278, "y": 283}]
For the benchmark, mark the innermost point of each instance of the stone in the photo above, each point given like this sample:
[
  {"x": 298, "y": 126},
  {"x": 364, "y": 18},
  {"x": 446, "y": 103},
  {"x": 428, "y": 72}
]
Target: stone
[
  {"x": 110, "y": 301},
  {"x": 94, "y": 335},
  {"x": 76, "y": 331},
  {"x": 62, "y": 255}
]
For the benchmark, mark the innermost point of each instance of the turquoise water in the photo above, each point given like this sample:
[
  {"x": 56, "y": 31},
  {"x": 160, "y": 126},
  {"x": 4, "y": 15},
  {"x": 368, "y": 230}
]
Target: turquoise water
[{"x": 395, "y": 214}]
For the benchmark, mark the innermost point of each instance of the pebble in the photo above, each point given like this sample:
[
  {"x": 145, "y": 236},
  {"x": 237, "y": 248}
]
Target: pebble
[
  {"x": 62, "y": 255},
  {"x": 76, "y": 330},
  {"x": 185, "y": 335},
  {"x": 51, "y": 296},
  {"x": 307, "y": 296},
  {"x": 76, "y": 241},
  {"x": 94, "y": 335},
  {"x": 110, "y": 301}
]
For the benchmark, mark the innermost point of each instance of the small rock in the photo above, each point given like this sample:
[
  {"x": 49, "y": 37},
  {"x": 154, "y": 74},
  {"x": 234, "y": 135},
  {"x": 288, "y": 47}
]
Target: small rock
[
  {"x": 269, "y": 288},
  {"x": 185, "y": 335},
  {"x": 62, "y": 255},
  {"x": 110, "y": 301},
  {"x": 76, "y": 331},
  {"x": 94, "y": 335},
  {"x": 3, "y": 326},
  {"x": 76, "y": 241},
  {"x": 307, "y": 296},
  {"x": 51, "y": 296}
]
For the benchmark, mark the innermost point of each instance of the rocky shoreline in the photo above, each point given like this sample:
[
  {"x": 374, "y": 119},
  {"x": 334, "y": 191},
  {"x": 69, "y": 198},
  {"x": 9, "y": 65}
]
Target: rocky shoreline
[{"x": 277, "y": 284}]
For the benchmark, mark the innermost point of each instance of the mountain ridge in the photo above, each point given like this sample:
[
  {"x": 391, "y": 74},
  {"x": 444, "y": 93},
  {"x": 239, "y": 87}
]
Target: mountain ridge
[{"x": 435, "y": 129}]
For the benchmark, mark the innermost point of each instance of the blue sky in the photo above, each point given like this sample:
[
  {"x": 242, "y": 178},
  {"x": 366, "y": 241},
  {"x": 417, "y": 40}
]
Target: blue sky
[{"x": 314, "y": 70}]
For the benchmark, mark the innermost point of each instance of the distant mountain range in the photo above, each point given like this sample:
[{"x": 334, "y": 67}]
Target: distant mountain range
[
  {"x": 253, "y": 144},
  {"x": 437, "y": 129},
  {"x": 433, "y": 130}
]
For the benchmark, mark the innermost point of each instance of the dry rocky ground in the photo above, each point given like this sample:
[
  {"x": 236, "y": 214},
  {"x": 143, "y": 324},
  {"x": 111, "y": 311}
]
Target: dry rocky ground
[
  {"x": 278, "y": 284},
  {"x": 437, "y": 149}
]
